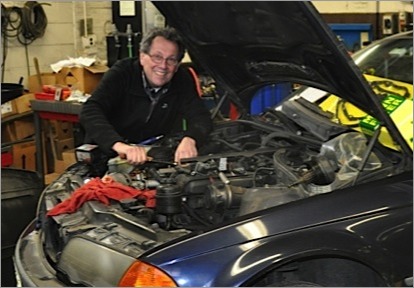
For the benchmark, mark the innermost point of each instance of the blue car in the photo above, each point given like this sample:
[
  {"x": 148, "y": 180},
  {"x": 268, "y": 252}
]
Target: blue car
[{"x": 315, "y": 191}]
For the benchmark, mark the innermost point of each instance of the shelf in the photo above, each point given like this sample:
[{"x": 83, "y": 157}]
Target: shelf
[
  {"x": 16, "y": 117},
  {"x": 56, "y": 107}
]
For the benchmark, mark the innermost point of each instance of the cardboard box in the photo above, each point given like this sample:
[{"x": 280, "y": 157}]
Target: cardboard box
[
  {"x": 49, "y": 178},
  {"x": 68, "y": 160},
  {"x": 62, "y": 146},
  {"x": 59, "y": 166},
  {"x": 61, "y": 129},
  {"x": 17, "y": 106},
  {"x": 18, "y": 129},
  {"x": 84, "y": 79},
  {"x": 23, "y": 103},
  {"x": 24, "y": 155},
  {"x": 69, "y": 157},
  {"x": 8, "y": 109},
  {"x": 47, "y": 79}
]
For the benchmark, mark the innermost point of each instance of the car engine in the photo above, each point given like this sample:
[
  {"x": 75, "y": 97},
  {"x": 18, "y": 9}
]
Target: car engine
[{"x": 247, "y": 166}]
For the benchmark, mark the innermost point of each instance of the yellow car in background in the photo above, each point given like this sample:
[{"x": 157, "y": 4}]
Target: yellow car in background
[
  {"x": 387, "y": 66},
  {"x": 397, "y": 98}
]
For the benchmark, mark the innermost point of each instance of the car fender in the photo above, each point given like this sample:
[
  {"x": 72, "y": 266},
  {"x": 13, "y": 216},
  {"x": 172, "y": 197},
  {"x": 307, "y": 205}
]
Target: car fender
[
  {"x": 330, "y": 241},
  {"x": 270, "y": 239}
]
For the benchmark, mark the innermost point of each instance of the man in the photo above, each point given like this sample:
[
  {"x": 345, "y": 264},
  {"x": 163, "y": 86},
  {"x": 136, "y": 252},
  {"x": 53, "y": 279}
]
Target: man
[{"x": 143, "y": 97}]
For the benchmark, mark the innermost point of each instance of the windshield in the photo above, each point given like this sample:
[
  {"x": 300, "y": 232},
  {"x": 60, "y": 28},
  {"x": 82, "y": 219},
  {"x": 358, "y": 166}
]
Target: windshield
[{"x": 391, "y": 59}]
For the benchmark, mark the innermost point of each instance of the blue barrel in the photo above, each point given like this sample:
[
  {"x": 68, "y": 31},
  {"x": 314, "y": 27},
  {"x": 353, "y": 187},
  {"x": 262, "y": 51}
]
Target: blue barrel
[{"x": 269, "y": 96}]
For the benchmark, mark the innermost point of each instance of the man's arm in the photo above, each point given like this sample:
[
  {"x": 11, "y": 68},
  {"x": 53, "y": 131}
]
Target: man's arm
[
  {"x": 134, "y": 154},
  {"x": 95, "y": 113},
  {"x": 198, "y": 120},
  {"x": 186, "y": 149}
]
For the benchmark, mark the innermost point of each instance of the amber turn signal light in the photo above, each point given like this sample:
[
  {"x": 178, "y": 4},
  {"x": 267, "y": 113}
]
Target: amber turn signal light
[{"x": 141, "y": 274}]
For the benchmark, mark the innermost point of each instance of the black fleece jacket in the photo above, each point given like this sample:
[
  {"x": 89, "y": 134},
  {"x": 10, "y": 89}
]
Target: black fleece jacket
[{"x": 119, "y": 108}]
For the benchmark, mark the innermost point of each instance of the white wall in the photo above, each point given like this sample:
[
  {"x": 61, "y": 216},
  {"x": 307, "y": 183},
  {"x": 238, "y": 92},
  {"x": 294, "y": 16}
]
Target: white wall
[
  {"x": 54, "y": 45},
  {"x": 363, "y": 6},
  {"x": 61, "y": 39},
  {"x": 101, "y": 14}
]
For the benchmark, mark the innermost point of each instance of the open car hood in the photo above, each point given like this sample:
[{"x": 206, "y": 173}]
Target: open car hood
[{"x": 243, "y": 45}]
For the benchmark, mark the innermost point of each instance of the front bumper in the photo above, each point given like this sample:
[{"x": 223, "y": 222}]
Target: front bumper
[
  {"x": 84, "y": 262},
  {"x": 32, "y": 268}
]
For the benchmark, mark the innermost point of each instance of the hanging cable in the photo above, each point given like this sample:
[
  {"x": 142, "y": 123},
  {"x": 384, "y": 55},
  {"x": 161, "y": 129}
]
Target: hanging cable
[
  {"x": 34, "y": 22},
  {"x": 10, "y": 21},
  {"x": 26, "y": 24}
]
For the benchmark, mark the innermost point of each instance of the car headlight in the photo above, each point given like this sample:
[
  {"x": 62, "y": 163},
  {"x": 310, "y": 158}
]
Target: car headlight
[{"x": 141, "y": 274}]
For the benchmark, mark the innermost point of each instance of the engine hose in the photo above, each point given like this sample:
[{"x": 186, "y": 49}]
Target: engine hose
[
  {"x": 194, "y": 215},
  {"x": 257, "y": 171},
  {"x": 281, "y": 133},
  {"x": 290, "y": 136},
  {"x": 234, "y": 147}
]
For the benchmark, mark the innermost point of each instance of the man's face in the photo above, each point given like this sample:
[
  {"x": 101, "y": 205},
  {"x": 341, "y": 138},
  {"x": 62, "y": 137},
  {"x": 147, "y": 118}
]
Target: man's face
[{"x": 160, "y": 63}]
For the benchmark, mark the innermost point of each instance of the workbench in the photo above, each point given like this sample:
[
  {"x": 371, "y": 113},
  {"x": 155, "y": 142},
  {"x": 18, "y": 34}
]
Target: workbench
[{"x": 51, "y": 110}]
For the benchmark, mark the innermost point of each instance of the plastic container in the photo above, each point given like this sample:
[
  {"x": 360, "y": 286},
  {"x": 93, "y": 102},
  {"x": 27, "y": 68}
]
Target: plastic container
[
  {"x": 10, "y": 91},
  {"x": 269, "y": 96}
]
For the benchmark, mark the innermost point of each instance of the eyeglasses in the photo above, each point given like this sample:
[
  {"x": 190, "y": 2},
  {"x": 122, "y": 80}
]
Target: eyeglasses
[{"x": 158, "y": 59}]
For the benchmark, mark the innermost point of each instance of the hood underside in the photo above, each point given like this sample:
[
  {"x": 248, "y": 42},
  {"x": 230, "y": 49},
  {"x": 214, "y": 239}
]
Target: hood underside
[
  {"x": 249, "y": 43},
  {"x": 245, "y": 45}
]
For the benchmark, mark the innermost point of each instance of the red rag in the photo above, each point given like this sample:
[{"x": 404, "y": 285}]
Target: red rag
[
  {"x": 96, "y": 189},
  {"x": 149, "y": 197}
]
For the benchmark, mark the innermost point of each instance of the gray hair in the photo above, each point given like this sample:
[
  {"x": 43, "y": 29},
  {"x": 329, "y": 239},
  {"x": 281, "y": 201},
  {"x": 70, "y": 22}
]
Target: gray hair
[{"x": 168, "y": 33}]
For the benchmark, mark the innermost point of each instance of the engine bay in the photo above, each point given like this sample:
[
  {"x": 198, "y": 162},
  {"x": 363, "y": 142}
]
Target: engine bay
[{"x": 248, "y": 166}]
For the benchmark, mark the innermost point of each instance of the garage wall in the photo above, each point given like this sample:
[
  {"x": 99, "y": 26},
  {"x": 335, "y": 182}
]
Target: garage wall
[
  {"x": 52, "y": 46},
  {"x": 60, "y": 40},
  {"x": 363, "y": 6},
  {"x": 367, "y": 12}
]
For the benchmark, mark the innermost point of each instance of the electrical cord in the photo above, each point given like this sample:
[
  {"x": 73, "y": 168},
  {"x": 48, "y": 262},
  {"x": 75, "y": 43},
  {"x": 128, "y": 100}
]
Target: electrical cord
[
  {"x": 31, "y": 30},
  {"x": 26, "y": 24},
  {"x": 11, "y": 21}
]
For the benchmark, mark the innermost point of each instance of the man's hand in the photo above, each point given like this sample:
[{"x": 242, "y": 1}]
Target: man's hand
[
  {"x": 134, "y": 154},
  {"x": 186, "y": 149}
]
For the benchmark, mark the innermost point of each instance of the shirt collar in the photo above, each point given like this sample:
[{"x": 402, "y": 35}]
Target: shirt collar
[{"x": 151, "y": 91}]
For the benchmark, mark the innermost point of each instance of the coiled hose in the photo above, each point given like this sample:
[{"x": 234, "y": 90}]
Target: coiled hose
[
  {"x": 26, "y": 24},
  {"x": 34, "y": 22}
]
